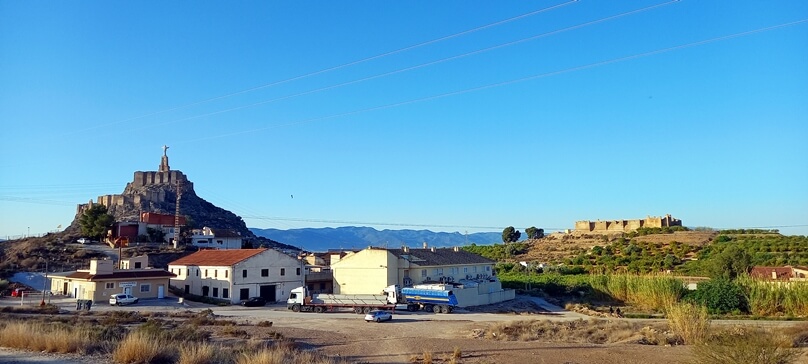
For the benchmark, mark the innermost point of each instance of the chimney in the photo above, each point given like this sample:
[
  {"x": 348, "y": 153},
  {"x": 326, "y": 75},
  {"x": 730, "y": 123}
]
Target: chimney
[
  {"x": 101, "y": 266},
  {"x": 774, "y": 275},
  {"x": 405, "y": 248},
  {"x": 425, "y": 245},
  {"x": 456, "y": 249},
  {"x": 432, "y": 249}
]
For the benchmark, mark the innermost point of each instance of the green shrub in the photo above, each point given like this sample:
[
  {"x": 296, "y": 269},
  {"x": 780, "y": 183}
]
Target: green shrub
[{"x": 720, "y": 296}]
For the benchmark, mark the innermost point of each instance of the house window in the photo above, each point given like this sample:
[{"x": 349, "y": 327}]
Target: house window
[
  {"x": 197, "y": 272},
  {"x": 206, "y": 273},
  {"x": 137, "y": 265},
  {"x": 487, "y": 268},
  {"x": 474, "y": 269},
  {"x": 215, "y": 273},
  {"x": 423, "y": 273},
  {"x": 109, "y": 285},
  {"x": 220, "y": 242},
  {"x": 283, "y": 271},
  {"x": 225, "y": 293},
  {"x": 215, "y": 291},
  {"x": 145, "y": 287},
  {"x": 187, "y": 272},
  {"x": 264, "y": 272},
  {"x": 438, "y": 271},
  {"x": 298, "y": 271},
  {"x": 225, "y": 274},
  {"x": 244, "y": 293},
  {"x": 465, "y": 269},
  {"x": 244, "y": 273}
]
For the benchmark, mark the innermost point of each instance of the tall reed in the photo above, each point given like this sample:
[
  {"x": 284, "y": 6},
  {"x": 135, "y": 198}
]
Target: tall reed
[
  {"x": 767, "y": 298},
  {"x": 653, "y": 292},
  {"x": 689, "y": 321}
]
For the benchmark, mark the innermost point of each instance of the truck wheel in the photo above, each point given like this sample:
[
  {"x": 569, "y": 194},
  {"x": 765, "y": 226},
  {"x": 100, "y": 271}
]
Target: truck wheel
[
  {"x": 436, "y": 309},
  {"x": 444, "y": 309},
  {"x": 428, "y": 308},
  {"x": 412, "y": 308},
  {"x": 357, "y": 310},
  {"x": 318, "y": 309},
  {"x": 366, "y": 310},
  {"x": 296, "y": 308}
]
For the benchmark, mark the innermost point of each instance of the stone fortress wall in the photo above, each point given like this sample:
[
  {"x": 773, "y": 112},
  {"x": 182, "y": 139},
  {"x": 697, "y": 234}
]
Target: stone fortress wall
[
  {"x": 626, "y": 225},
  {"x": 139, "y": 193}
]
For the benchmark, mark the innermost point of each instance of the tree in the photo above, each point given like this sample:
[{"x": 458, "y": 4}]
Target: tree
[
  {"x": 730, "y": 263},
  {"x": 510, "y": 235},
  {"x": 534, "y": 233},
  {"x": 96, "y": 221}
]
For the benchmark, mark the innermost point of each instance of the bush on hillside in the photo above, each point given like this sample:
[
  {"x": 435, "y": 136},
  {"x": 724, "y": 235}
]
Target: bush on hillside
[{"x": 720, "y": 296}]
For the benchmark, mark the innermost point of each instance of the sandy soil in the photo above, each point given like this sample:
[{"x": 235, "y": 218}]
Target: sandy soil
[{"x": 400, "y": 341}]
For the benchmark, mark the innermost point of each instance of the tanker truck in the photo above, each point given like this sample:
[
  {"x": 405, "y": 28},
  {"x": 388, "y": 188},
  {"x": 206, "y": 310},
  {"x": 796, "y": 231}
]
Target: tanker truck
[{"x": 433, "y": 300}]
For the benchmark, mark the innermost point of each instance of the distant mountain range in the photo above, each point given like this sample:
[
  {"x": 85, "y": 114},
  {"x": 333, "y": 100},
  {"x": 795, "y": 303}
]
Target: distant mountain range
[{"x": 351, "y": 237}]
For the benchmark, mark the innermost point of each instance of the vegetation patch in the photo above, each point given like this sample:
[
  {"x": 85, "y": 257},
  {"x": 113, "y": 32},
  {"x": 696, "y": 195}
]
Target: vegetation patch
[{"x": 593, "y": 331}]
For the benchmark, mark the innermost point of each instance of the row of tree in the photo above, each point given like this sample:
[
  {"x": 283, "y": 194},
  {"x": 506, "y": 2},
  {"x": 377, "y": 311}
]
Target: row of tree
[{"x": 511, "y": 235}]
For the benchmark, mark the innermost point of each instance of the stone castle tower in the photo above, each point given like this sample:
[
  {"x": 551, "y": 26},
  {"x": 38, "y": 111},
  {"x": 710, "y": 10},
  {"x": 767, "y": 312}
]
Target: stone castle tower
[
  {"x": 157, "y": 192},
  {"x": 149, "y": 191}
]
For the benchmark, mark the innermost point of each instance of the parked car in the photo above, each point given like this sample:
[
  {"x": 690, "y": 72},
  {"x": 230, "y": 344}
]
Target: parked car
[
  {"x": 378, "y": 316},
  {"x": 83, "y": 241},
  {"x": 122, "y": 299},
  {"x": 254, "y": 302}
]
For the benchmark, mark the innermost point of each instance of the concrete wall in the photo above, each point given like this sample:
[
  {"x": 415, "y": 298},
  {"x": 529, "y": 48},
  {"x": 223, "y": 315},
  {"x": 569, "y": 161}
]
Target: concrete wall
[
  {"x": 232, "y": 278},
  {"x": 366, "y": 272},
  {"x": 99, "y": 291}
]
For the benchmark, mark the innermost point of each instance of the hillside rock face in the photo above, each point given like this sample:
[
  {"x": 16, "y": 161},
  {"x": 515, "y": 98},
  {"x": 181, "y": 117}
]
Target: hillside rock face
[{"x": 156, "y": 191}]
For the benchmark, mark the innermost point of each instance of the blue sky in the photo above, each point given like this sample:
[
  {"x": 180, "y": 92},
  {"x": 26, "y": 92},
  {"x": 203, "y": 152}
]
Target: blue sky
[{"x": 448, "y": 116}]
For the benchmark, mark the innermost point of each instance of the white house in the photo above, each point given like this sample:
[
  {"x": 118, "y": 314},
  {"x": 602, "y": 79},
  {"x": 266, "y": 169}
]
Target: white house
[
  {"x": 210, "y": 238},
  {"x": 238, "y": 274}
]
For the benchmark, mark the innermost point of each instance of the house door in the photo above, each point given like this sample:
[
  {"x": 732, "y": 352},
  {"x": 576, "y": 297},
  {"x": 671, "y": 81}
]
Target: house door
[
  {"x": 268, "y": 293},
  {"x": 244, "y": 294},
  {"x": 75, "y": 292},
  {"x": 161, "y": 291},
  {"x": 127, "y": 290},
  {"x": 205, "y": 291},
  {"x": 64, "y": 289}
]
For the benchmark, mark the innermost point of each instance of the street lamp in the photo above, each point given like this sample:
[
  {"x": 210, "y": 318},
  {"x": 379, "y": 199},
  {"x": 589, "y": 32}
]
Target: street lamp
[{"x": 45, "y": 284}]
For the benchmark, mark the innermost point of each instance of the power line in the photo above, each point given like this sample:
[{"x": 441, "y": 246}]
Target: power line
[
  {"x": 419, "y": 66},
  {"x": 327, "y": 221},
  {"x": 344, "y": 65},
  {"x": 505, "y": 83}
]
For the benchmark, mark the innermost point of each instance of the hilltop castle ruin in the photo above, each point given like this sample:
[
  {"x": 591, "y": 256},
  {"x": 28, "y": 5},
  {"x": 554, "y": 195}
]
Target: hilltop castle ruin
[
  {"x": 148, "y": 191},
  {"x": 625, "y": 226}
]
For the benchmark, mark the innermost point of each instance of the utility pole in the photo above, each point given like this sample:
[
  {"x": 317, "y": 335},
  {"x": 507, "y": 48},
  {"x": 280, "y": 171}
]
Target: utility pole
[
  {"x": 177, "y": 215},
  {"x": 45, "y": 284}
]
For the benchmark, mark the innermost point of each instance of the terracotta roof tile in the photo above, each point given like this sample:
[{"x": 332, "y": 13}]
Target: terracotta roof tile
[
  {"x": 781, "y": 273},
  {"x": 217, "y": 258}
]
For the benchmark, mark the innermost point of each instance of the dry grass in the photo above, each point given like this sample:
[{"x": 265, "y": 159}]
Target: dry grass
[
  {"x": 689, "y": 321},
  {"x": 282, "y": 355},
  {"x": 742, "y": 346},
  {"x": 42, "y": 337},
  {"x": 591, "y": 331},
  {"x": 199, "y": 354},
  {"x": 140, "y": 347}
]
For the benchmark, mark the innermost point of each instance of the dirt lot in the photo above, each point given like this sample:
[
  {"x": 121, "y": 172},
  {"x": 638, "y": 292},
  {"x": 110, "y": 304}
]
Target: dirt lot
[{"x": 401, "y": 341}]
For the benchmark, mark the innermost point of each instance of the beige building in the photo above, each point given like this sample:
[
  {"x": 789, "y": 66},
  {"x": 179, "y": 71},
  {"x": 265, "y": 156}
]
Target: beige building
[
  {"x": 469, "y": 275},
  {"x": 238, "y": 274},
  {"x": 626, "y": 225},
  {"x": 102, "y": 280}
]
